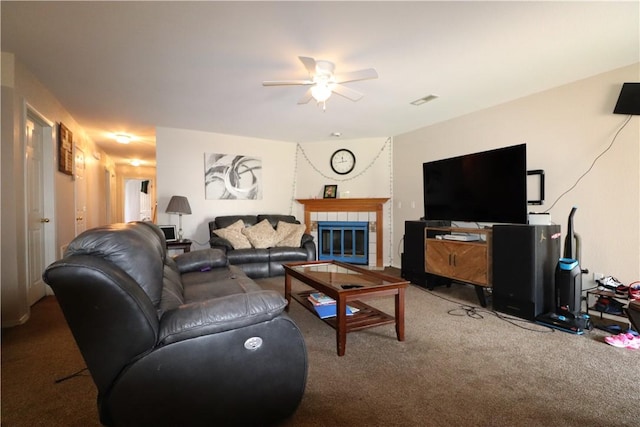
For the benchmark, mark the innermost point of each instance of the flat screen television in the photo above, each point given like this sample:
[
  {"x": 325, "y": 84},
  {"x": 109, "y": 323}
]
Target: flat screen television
[{"x": 489, "y": 186}]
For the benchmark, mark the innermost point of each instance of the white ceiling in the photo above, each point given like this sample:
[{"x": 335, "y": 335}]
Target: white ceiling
[{"x": 132, "y": 66}]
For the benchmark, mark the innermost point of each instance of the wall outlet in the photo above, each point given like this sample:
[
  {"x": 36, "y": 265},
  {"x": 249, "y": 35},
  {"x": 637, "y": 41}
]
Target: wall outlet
[{"x": 597, "y": 276}]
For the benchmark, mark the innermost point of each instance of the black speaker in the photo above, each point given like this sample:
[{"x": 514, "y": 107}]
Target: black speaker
[
  {"x": 413, "y": 252},
  {"x": 524, "y": 264}
]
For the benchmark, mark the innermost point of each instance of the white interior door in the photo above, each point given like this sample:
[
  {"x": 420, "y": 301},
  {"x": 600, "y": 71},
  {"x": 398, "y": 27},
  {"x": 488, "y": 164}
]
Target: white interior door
[
  {"x": 107, "y": 195},
  {"x": 36, "y": 219},
  {"x": 80, "y": 190}
]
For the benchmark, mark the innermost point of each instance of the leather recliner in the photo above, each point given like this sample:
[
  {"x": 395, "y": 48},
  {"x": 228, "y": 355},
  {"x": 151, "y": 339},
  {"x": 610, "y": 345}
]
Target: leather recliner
[
  {"x": 168, "y": 341},
  {"x": 258, "y": 263}
]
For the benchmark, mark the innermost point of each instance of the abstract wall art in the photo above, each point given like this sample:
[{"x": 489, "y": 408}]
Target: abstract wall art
[{"x": 232, "y": 177}]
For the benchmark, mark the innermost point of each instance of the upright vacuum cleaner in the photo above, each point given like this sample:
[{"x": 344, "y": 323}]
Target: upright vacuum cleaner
[{"x": 567, "y": 289}]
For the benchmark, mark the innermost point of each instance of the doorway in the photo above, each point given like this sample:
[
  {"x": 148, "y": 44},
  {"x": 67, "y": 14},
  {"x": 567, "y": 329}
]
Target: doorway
[
  {"x": 107, "y": 195},
  {"x": 39, "y": 202},
  {"x": 80, "y": 190},
  {"x": 138, "y": 200}
]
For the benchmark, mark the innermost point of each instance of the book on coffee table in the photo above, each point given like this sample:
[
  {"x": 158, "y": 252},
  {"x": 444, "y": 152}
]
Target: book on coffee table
[
  {"x": 318, "y": 298},
  {"x": 329, "y": 310}
]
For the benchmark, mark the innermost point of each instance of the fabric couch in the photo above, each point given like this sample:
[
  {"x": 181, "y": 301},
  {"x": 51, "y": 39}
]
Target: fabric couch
[
  {"x": 260, "y": 244},
  {"x": 169, "y": 341}
]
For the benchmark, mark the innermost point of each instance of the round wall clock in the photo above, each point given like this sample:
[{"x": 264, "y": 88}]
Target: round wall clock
[{"x": 343, "y": 161}]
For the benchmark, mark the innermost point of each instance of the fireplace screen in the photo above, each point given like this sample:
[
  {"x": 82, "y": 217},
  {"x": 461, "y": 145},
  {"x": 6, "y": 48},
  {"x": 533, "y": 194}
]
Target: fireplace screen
[{"x": 346, "y": 241}]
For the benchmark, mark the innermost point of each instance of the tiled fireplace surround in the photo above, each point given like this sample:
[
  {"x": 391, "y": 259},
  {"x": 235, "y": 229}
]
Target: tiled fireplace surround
[{"x": 369, "y": 210}]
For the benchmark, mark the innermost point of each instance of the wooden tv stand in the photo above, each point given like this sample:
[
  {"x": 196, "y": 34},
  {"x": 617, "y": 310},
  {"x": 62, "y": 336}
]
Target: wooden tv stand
[{"x": 465, "y": 261}]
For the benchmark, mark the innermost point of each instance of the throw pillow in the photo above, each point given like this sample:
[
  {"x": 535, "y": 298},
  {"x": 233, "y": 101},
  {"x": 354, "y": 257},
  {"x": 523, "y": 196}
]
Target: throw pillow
[
  {"x": 288, "y": 234},
  {"x": 233, "y": 234},
  {"x": 260, "y": 235}
]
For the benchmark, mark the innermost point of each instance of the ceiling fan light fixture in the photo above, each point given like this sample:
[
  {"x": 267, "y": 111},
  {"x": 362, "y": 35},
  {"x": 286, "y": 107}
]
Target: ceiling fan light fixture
[
  {"x": 324, "y": 68},
  {"x": 322, "y": 82},
  {"x": 321, "y": 92}
]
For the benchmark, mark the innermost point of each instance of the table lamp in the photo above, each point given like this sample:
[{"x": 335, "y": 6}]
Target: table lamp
[{"x": 179, "y": 205}]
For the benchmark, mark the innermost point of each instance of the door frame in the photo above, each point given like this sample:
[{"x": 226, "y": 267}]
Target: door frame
[
  {"x": 151, "y": 196},
  {"x": 79, "y": 189},
  {"x": 49, "y": 141},
  {"x": 107, "y": 195}
]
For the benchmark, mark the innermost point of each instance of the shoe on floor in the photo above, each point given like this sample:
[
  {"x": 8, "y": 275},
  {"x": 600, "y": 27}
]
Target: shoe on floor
[
  {"x": 614, "y": 329},
  {"x": 623, "y": 340}
]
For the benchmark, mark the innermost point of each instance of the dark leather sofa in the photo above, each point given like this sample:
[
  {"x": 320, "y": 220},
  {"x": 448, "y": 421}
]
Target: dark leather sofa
[
  {"x": 184, "y": 341},
  {"x": 266, "y": 262}
]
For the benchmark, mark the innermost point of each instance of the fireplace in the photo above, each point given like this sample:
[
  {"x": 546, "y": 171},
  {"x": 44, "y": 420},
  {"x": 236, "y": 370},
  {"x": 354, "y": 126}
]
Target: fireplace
[
  {"x": 368, "y": 210},
  {"x": 346, "y": 241}
]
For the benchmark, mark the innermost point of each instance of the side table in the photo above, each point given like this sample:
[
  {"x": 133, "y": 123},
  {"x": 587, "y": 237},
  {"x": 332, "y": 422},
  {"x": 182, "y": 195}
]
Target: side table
[{"x": 184, "y": 245}]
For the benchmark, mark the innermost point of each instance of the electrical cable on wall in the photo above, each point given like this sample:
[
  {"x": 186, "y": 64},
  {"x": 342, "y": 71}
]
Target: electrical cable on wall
[
  {"x": 592, "y": 164},
  {"x": 390, "y": 140},
  {"x": 295, "y": 181}
]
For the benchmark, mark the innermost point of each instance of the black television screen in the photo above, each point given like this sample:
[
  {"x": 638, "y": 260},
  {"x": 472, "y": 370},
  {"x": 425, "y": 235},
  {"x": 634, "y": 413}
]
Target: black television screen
[{"x": 490, "y": 186}]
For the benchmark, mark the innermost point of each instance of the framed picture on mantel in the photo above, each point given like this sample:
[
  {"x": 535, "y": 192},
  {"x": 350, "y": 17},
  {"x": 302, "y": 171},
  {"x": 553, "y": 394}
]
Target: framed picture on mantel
[{"x": 330, "y": 191}]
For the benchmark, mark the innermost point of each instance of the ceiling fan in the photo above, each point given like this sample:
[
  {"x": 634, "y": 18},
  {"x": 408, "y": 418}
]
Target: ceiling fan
[{"x": 323, "y": 82}]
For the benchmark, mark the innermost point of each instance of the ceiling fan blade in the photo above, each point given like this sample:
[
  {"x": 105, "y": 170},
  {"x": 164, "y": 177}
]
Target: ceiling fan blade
[
  {"x": 287, "y": 82},
  {"x": 309, "y": 64},
  {"x": 306, "y": 97},
  {"x": 353, "y": 76},
  {"x": 351, "y": 94}
]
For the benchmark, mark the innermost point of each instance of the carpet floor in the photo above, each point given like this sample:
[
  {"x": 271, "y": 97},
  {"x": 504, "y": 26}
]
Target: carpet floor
[{"x": 460, "y": 365}]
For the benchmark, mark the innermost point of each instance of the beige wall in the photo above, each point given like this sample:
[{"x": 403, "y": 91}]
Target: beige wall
[
  {"x": 10, "y": 272},
  {"x": 19, "y": 90},
  {"x": 371, "y": 176},
  {"x": 565, "y": 129},
  {"x": 288, "y": 173},
  {"x": 180, "y": 171}
]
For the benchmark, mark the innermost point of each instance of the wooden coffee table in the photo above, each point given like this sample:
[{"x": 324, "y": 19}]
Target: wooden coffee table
[{"x": 347, "y": 283}]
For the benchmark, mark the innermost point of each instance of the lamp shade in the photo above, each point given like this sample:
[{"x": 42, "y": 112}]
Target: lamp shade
[
  {"x": 179, "y": 205},
  {"x": 629, "y": 100}
]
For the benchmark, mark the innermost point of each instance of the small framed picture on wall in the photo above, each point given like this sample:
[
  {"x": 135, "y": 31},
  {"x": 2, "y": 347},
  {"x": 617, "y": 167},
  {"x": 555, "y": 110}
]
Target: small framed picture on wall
[
  {"x": 330, "y": 191},
  {"x": 65, "y": 150}
]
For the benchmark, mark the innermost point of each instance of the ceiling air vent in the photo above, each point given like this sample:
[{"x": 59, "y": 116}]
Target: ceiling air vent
[{"x": 424, "y": 100}]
